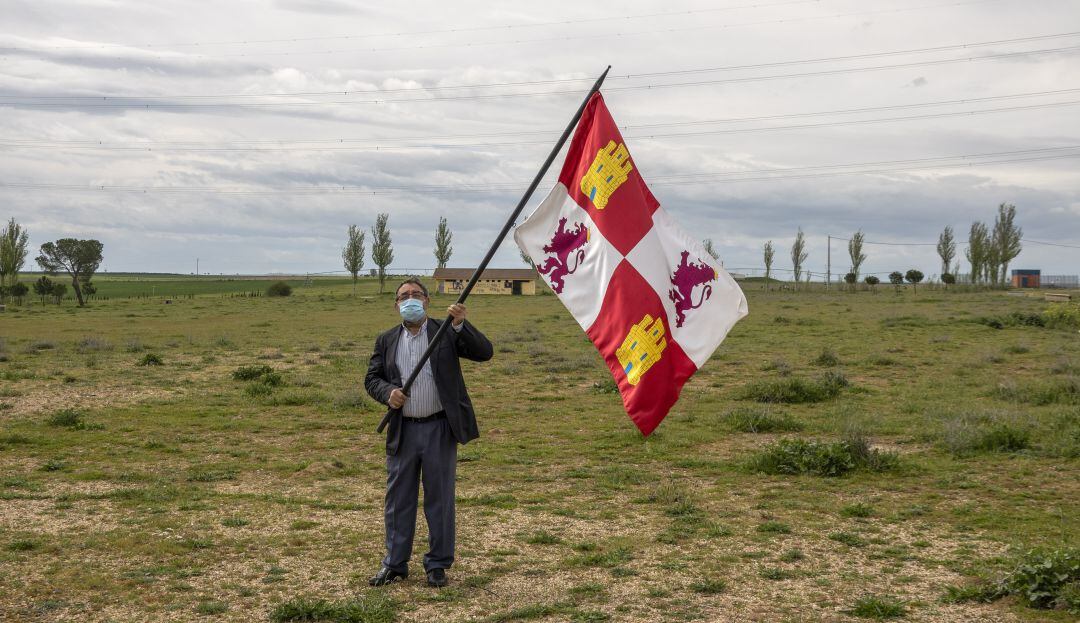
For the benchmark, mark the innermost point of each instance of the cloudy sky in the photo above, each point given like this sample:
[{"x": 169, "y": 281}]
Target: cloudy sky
[{"x": 250, "y": 134}]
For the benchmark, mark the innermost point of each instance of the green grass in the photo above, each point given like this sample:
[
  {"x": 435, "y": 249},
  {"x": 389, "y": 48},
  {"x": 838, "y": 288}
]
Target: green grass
[{"x": 154, "y": 482}]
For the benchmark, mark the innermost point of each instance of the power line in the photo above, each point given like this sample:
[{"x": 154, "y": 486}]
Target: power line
[
  {"x": 657, "y": 180},
  {"x": 592, "y": 36},
  {"x": 414, "y": 33},
  {"x": 385, "y": 147},
  {"x": 489, "y": 85},
  {"x": 441, "y": 98}
]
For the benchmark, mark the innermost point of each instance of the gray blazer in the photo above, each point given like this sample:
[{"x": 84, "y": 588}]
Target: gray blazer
[{"x": 383, "y": 376}]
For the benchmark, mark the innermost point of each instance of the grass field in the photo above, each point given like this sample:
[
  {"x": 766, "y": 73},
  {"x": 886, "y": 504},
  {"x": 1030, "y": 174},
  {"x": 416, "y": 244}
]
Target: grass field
[{"x": 139, "y": 481}]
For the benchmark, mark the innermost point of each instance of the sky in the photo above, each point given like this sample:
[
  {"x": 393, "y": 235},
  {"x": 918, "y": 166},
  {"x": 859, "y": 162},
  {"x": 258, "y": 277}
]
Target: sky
[{"x": 246, "y": 136}]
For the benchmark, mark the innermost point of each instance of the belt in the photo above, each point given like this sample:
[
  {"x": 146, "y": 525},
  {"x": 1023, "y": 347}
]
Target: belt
[{"x": 441, "y": 415}]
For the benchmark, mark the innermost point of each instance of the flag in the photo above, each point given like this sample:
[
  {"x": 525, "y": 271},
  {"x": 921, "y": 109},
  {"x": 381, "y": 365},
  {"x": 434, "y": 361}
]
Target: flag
[{"x": 647, "y": 294}]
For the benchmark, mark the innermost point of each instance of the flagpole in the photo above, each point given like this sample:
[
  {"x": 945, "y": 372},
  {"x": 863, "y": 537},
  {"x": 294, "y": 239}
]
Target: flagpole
[{"x": 495, "y": 245}]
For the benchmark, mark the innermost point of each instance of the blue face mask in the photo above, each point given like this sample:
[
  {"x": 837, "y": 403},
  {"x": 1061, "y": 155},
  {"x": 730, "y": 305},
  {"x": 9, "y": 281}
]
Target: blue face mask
[{"x": 411, "y": 310}]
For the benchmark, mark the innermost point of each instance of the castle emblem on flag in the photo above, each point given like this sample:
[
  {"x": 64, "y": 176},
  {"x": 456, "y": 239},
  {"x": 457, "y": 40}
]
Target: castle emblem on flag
[
  {"x": 642, "y": 348},
  {"x": 686, "y": 278},
  {"x": 608, "y": 171},
  {"x": 564, "y": 244}
]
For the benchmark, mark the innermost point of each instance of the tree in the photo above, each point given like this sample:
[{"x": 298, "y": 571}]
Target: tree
[
  {"x": 353, "y": 254},
  {"x": 78, "y": 258},
  {"x": 851, "y": 279},
  {"x": 946, "y": 250},
  {"x": 443, "y": 236},
  {"x": 525, "y": 258},
  {"x": 914, "y": 277},
  {"x": 854, "y": 249},
  {"x": 897, "y": 279},
  {"x": 948, "y": 279},
  {"x": 43, "y": 287},
  {"x": 976, "y": 253},
  {"x": 1005, "y": 240},
  {"x": 872, "y": 281},
  {"x": 708, "y": 244},
  {"x": 13, "y": 243},
  {"x": 18, "y": 290},
  {"x": 58, "y": 292},
  {"x": 382, "y": 248},
  {"x": 798, "y": 254},
  {"x": 768, "y": 262}
]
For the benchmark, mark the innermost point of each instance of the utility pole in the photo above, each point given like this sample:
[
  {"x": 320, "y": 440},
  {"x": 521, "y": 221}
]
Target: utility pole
[
  {"x": 828, "y": 263},
  {"x": 196, "y": 267}
]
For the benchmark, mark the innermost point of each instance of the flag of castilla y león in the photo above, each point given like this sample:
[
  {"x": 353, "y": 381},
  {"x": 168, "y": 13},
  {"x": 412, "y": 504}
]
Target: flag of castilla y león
[{"x": 654, "y": 303}]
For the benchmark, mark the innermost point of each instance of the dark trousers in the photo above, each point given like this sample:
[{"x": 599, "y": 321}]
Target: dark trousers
[{"x": 428, "y": 454}]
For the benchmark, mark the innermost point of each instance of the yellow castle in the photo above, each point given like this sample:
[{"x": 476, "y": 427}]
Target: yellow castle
[
  {"x": 608, "y": 171},
  {"x": 642, "y": 348}
]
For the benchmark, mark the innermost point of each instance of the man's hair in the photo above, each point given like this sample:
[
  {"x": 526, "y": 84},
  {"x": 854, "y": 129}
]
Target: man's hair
[{"x": 415, "y": 282}]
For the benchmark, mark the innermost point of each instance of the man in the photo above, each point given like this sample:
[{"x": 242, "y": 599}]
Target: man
[{"x": 421, "y": 443}]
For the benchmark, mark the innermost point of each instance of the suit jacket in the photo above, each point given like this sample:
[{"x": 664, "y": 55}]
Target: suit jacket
[{"x": 383, "y": 376}]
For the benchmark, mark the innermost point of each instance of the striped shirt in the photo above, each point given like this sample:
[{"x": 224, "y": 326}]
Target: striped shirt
[{"x": 423, "y": 395}]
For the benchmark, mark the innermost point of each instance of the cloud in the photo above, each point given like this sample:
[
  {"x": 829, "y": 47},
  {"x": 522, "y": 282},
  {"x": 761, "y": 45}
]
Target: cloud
[{"x": 146, "y": 55}]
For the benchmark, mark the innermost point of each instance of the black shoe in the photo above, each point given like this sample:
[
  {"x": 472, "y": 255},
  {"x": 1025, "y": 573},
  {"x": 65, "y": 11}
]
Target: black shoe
[
  {"x": 386, "y": 575},
  {"x": 437, "y": 578}
]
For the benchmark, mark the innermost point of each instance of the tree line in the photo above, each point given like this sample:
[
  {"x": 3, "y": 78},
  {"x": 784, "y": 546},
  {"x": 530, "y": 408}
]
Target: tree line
[
  {"x": 382, "y": 248},
  {"x": 989, "y": 252},
  {"x": 79, "y": 259}
]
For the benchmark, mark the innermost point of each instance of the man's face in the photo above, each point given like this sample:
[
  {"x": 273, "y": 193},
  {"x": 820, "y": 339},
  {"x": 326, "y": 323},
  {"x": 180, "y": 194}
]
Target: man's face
[{"x": 411, "y": 291}]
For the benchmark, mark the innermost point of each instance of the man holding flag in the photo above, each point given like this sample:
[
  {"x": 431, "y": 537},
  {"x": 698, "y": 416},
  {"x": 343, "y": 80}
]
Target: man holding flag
[{"x": 654, "y": 303}]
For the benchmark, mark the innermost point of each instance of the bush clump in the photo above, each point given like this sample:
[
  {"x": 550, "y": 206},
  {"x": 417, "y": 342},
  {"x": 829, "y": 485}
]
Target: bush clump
[
  {"x": 250, "y": 373},
  {"x": 67, "y": 418},
  {"x": 279, "y": 288},
  {"x": 1062, "y": 316},
  {"x": 1013, "y": 319},
  {"x": 1042, "y": 578},
  {"x": 759, "y": 420},
  {"x": 795, "y": 390},
  {"x": 801, "y": 456},
  {"x": 150, "y": 359},
  {"x": 371, "y": 608}
]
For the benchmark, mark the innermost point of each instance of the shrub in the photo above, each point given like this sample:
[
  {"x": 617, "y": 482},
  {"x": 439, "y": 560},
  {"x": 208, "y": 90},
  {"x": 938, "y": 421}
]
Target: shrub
[
  {"x": 759, "y": 420},
  {"x": 1062, "y": 316},
  {"x": 67, "y": 418},
  {"x": 256, "y": 390},
  {"x": 279, "y": 288},
  {"x": 800, "y": 456},
  {"x": 794, "y": 390},
  {"x": 827, "y": 358},
  {"x": 871, "y": 280},
  {"x": 1041, "y": 576},
  {"x": 150, "y": 359},
  {"x": 250, "y": 373}
]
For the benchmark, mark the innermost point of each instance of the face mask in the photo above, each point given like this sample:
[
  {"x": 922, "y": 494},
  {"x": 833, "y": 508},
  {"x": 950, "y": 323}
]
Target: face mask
[{"x": 411, "y": 310}]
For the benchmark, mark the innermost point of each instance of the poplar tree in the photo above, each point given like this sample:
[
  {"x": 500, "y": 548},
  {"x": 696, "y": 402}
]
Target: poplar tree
[
  {"x": 13, "y": 243},
  {"x": 798, "y": 255},
  {"x": 443, "y": 236},
  {"x": 382, "y": 248},
  {"x": 708, "y": 244},
  {"x": 854, "y": 249},
  {"x": 353, "y": 254},
  {"x": 1005, "y": 240},
  {"x": 946, "y": 250},
  {"x": 768, "y": 262}
]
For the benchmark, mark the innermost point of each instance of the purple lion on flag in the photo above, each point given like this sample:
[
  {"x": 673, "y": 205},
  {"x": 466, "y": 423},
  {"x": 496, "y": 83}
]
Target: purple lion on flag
[
  {"x": 564, "y": 244},
  {"x": 686, "y": 277}
]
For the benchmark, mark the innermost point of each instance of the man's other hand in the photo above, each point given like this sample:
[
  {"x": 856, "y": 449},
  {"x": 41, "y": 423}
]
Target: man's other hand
[
  {"x": 457, "y": 310},
  {"x": 397, "y": 398}
]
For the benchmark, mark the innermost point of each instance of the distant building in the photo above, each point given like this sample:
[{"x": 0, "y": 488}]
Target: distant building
[
  {"x": 492, "y": 281},
  {"x": 1025, "y": 278}
]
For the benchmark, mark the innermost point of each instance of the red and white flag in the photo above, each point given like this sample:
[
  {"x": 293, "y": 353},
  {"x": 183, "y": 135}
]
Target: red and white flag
[{"x": 654, "y": 303}]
